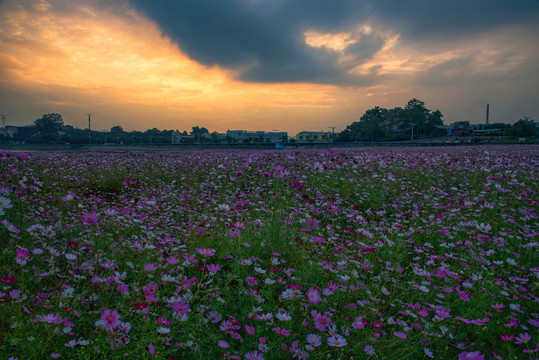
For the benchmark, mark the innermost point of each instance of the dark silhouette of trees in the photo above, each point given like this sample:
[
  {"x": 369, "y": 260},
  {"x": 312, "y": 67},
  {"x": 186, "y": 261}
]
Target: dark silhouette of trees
[
  {"x": 523, "y": 128},
  {"x": 49, "y": 128},
  {"x": 380, "y": 124}
]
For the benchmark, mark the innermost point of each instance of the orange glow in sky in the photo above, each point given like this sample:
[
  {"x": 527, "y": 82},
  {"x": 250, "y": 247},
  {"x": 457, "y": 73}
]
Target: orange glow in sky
[
  {"x": 125, "y": 60},
  {"x": 106, "y": 58}
]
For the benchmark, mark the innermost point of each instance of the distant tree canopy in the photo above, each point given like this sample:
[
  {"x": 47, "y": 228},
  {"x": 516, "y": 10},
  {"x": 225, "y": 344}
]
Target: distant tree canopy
[
  {"x": 49, "y": 127},
  {"x": 379, "y": 124},
  {"x": 523, "y": 128}
]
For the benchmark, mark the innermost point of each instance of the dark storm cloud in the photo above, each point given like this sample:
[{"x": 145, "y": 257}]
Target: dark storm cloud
[{"x": 266, "y": 36}]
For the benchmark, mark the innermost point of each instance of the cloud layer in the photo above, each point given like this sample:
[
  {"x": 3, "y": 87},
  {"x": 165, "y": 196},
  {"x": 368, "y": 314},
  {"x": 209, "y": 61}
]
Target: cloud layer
[
  {"x": 267, "y": 40},
  {"x": 264, "y": 64}
]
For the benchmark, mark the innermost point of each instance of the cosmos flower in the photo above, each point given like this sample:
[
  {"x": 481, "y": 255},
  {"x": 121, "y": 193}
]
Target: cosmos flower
[
  {"x": 111, "y": 318},
  {"x": 313, "y": 296},
  {"x": 476, "y": 355},
  {"x": 337, "y": 341}
]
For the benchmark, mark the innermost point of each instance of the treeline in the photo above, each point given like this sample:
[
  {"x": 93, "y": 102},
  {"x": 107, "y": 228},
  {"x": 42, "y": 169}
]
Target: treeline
[
  {"x": 414, "y": 121},
  {"x": 50, "y": 128}
]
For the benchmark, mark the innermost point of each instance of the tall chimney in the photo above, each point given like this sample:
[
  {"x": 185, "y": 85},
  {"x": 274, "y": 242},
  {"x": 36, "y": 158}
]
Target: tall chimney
[{"x": 487, "y": 114}]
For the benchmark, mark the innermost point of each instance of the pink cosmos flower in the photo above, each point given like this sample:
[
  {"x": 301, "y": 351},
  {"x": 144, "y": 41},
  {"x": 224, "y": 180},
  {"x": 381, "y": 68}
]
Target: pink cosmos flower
[
  {"x": 400, "y": 335},
  {"x": 314, "y": 340},
  {"x": 49, "y": 318},
  {"x": 111, "y": 318},
  {"x": 173, "y": 260},
  {"x": 254, "y": 355},
  {"x": 280, "y": 331},
  {"x": 163, "y": 321},
  {"x": 150, "y": 267},
  {"x": 358, "y": 324},
  {"x": 251, "y": 280},
  {"x": 180, "y": 307},
  {"x": 213, "y": 268},
  {"x": 223, "y": 344},
  {"x": 22, "y": 253},
  {"x": 443, "y": 312},
  {"x": 122, "y": 288},
  {"x": 206, "y": 251},
  {"x": 476, "y": 355},
  {"x": 89, "y": 218},
  {"x": 321, "y": 322},
  {"x": 250, "y": 330},
  {"x": 523, "y": 338},
  {"x": 313, "y": 296},
  {"x": 337, "y": 341}
]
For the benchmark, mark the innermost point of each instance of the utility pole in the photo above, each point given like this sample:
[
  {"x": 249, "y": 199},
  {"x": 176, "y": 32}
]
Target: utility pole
[
  {"x": 89, "y": 128},
  {"x": 3, "y": 120},
  {"x": 412, "y": 131},
  {"x": 332, "y": 131}
]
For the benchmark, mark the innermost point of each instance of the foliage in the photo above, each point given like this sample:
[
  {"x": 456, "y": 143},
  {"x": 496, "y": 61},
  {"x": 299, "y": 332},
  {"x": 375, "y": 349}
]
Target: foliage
[
  {"x": 396, "y": 254},
  {"x": 380, "y": 124},
  {"x": 49, "y": 127},
  {"x": 523, "y": 128}
]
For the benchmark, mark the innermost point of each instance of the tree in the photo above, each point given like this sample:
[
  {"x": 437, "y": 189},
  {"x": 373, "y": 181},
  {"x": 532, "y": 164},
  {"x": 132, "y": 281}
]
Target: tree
[
  {"x": 415, "y": 113},
  {"x": 434, "y": 119},
  {"x": 199, "y": 132},
  {"x": 49, "y": 127},
  {"x": 524, "y": 128},
  {"x": 49, "y": 123}
]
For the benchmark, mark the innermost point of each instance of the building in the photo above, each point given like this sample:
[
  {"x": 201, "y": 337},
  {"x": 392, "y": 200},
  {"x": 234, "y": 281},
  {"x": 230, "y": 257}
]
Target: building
[
  {"x": 461, "y": 128},
  {"x": 315, "y": 136},
  {"x": 8, "y": 131},
  {"x": 265, "y": 136}
]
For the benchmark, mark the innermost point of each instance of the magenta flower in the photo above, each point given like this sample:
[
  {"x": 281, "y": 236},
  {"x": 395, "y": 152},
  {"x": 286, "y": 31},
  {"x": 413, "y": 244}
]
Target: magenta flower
[
  {"x": 223, "y": 344},
  {"x": 254, "y": 355},
  {"x": 180, "y": 307},
  {"x": 206, "y": 251},
  {"x": 280, "y": 331},
  {"x": 213, "y": 268},
  {"x": 337, "y": 341},
  {"x": 523, "y": 338},
  {"x": 50, "y": 318},
  {"x": 443, "y": 312},
  {"x": 250, "y": 330},
  {"x": 321, "y": 322},
  {"x": 173, "y": 260},
  {"x": 122, "y": 288},
  {"x": 251, "y": 280},
  {"x": 111, "y": 318},
  {"x": 89, "y": 218},
  {"x": 150, "y": 267},
  {"x": 400, "y": 335},
  {"x": 476, "y": 355},
  {"x": 313, "y": 296},
  {"x": 314, "y": 340}
]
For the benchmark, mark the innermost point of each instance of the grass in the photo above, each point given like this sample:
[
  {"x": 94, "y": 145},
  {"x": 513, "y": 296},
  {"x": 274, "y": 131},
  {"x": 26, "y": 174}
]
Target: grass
[{"x": 411, "y": 253}]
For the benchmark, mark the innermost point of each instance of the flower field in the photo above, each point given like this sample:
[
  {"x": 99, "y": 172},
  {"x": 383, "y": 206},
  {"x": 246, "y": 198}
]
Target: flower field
[{"x": 319, "y": 254}]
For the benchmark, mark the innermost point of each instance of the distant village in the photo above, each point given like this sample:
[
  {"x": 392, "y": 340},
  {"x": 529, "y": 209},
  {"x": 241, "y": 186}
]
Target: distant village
[{"x": 412, "y": 123}]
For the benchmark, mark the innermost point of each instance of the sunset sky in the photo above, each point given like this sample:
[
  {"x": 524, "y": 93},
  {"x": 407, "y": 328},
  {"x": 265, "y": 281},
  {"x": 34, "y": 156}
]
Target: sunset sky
[{"x": 286, "y": 65}]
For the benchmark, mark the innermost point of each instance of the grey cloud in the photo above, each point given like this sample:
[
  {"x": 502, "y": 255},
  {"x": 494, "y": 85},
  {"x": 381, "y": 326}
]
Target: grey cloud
[{"x": 266, "y": 36}]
